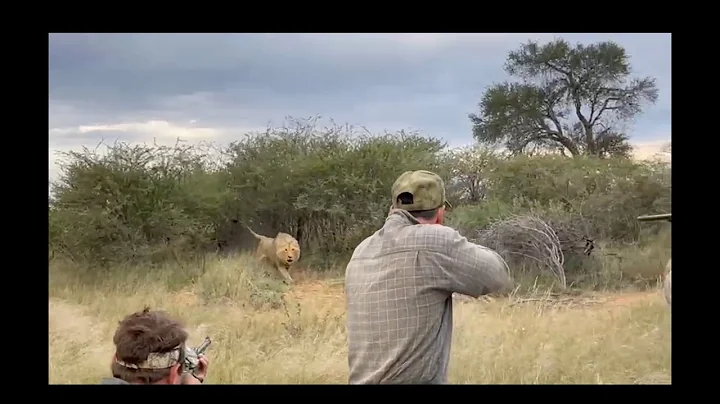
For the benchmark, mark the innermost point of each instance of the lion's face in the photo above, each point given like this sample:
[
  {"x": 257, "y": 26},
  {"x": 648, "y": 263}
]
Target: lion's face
[{"x": 288, "y": 252}]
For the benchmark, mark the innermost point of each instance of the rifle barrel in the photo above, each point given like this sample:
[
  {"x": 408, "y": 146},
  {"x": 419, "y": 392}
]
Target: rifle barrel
[
  {"x": 201, "y": 349},
  {"x": 653, "y": 218}
]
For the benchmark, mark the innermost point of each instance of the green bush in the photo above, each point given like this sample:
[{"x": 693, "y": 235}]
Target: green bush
[
  {"x": 609, "y": 194},
  {"x": 134, "y": 203},
  {"x": 328, "y": 187}
]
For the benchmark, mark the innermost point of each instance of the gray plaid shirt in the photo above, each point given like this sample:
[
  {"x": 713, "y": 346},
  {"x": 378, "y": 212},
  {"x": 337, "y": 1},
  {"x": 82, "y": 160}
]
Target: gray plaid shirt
[{"x": 399, "y": 284}]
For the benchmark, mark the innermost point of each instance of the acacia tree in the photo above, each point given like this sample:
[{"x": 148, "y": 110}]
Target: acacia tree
[{"x": 569, "y": 98}]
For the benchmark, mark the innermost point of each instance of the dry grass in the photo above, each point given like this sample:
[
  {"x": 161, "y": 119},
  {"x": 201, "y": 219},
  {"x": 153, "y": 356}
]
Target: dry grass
[{"x": 262, "y": 334}]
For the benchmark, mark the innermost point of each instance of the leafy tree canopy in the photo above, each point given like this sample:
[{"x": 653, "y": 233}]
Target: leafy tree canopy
[{"x": 572, "y": 99}]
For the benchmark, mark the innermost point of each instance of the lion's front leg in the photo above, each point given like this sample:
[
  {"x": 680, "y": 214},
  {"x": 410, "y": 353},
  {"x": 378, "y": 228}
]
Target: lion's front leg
[{"x": 284, "y": 272}]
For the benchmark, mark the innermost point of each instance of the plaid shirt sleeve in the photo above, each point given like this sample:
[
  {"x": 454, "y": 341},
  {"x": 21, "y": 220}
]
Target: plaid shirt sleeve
[{"x": 472, "y": 269}]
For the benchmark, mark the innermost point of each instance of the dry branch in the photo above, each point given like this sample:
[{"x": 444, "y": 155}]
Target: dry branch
[{"x": 530, "y": 238}]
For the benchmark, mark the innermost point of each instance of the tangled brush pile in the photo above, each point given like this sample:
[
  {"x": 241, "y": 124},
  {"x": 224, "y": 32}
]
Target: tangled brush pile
[{"x": 527, "y": 238}]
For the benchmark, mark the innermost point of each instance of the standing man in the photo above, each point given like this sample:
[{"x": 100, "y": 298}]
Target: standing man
[{"x": 399, "y": 285}]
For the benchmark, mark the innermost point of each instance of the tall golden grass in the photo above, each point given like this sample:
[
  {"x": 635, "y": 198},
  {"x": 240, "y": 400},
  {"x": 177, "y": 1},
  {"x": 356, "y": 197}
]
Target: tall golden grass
[{"x": 263, "y": 333}]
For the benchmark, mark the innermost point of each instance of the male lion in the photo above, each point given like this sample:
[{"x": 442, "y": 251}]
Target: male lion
[{"x": 281, "y": 251}]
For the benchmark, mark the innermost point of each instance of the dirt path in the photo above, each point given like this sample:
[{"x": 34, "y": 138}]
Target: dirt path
[
  {"x": 630, "y": 298},
  {"x": 71, "y": 328},
  {"x": 331, "y": 292},
  {"x": 68, "y": 318}
]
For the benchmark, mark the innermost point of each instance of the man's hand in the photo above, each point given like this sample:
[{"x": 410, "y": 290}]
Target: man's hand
[{"x": 199, "y": 373}]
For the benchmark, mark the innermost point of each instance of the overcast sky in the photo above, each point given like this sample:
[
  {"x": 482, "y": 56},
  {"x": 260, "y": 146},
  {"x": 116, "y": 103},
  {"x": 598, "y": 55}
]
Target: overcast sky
[{"x": 216, "y": 87}]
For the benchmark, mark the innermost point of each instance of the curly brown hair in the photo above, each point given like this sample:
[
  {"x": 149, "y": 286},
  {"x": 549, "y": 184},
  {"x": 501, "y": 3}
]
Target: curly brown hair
[{"x": 140, "y": 334}]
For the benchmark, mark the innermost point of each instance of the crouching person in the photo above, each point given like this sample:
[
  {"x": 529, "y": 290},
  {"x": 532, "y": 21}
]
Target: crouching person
[{"x": 150, "y": 349}]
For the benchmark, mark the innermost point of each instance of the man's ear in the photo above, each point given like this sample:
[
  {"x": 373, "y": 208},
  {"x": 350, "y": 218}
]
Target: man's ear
[
  {"x": 174, "y": 377},
  {"x": 440, "y": 217}
]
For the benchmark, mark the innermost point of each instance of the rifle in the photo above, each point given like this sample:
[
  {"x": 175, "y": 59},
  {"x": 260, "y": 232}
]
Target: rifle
[
  {"x": 192, "y": 355},
  {"x": 655, "y": 218}
]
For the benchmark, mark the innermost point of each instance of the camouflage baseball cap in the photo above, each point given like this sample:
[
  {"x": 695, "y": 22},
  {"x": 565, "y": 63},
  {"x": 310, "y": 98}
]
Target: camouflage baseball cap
[{"x": 427, "y": 190}]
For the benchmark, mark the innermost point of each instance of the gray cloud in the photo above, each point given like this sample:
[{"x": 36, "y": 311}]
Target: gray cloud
[{"x": 235, "y": 82}]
